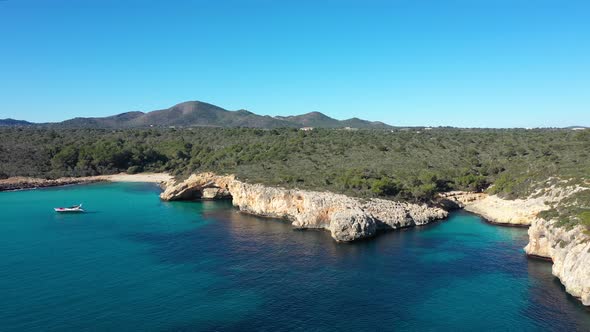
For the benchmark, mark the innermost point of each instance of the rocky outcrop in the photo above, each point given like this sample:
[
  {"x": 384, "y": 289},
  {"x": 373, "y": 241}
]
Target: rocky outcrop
[
  {"x": 352, "y": 224},
  {"x": 20, "y": 182},
  {"x": 459, "y": 199},
  {"x": 346, "y": 218},
  {"x": 518, "y": 212},
  {"x": 515, "y": 212},
  {"x": 569, "y": 249},
  {"x": 350, "y": 219},
  {"x": 17, "y": 183}
]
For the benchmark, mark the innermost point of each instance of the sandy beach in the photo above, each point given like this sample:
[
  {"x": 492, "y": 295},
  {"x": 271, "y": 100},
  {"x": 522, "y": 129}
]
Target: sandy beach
[{"x": 140, "y": 177}]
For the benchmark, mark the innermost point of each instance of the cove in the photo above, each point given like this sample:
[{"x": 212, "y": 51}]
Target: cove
[{"x": 134, "y": 262}]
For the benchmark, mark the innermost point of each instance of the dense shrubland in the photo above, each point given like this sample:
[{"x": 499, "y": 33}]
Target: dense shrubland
[
  {"x": 574, "y": 210},
  {"x": 403, "y": 164}
]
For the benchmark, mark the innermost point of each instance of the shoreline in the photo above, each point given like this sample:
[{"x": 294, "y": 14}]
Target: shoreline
[
  {"x": 349, "y": 219},
  {"x": 26, "y": 183},
  {"x": 540, "y": 258},
  {"x": 333, "y": 212},
  {"x": 346, "y": 218},
  {"x": 501, "y": 224},
  {"x": 139, "y": 177}
]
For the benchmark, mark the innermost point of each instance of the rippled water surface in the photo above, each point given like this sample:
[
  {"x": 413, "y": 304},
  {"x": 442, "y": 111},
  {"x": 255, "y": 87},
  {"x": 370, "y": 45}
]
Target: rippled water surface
[{"x": 136, "y": 263}]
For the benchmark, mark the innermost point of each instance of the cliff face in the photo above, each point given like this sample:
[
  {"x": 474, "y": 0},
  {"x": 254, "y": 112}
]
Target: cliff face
[
  {"x": 350, "y": 219},
  {"x": 516, "y": 212},
  {"x": 570, "y": 252},
  {"x": 569, "y": 249},
  {"x": 346, "y": 218}
]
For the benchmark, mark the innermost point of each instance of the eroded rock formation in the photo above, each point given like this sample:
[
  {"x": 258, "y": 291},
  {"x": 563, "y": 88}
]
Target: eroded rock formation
[
  {"x": 516, "y": 212},
  {"x": 350, "y": 219},
  {"x": 346, "y": 218},
  {"x": 569, "y": 249}
]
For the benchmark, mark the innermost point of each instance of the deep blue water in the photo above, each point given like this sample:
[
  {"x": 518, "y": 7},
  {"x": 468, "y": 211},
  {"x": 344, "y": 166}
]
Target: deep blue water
[{"x": 136, "y": 263}]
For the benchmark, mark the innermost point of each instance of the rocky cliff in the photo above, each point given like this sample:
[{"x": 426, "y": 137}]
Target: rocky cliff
[
  {"x": 350, "y": 219},
  {"x": 17, "y": 183},
  {"x": 515, "y": 212},
  {"x": 346, "y": 218},
  {"x": 569, "y": 249}
]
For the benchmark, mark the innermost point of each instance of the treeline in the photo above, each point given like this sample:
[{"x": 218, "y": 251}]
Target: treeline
[{"x": 400, "y": 164}]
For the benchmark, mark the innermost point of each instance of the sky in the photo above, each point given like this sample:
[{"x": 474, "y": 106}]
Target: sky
[{"x": 470, "y": 63}]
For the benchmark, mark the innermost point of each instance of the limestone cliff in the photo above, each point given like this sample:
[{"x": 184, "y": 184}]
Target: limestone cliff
[
  {"x": 569, "y": 249},
  {"x": 517, "y": 212},
  {"x": 350, "y": 219},
  {"x": 570, "y": 252},
  {"x": 346, "y": 218}
]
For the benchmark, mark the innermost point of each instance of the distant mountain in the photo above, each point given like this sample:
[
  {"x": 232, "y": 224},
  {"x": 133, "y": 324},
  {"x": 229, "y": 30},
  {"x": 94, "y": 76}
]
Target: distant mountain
[
  {"x": 320, "y": 120},
  {"x": 360, "y": 123},
  {"x": 196, "y": 113},
  {"x": 313, "y": 119},
  {"x": 14, "y": 123}
]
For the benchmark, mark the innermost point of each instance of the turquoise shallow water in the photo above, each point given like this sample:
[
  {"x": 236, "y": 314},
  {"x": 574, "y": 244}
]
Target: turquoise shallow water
[{"x": 136, "y": 263}]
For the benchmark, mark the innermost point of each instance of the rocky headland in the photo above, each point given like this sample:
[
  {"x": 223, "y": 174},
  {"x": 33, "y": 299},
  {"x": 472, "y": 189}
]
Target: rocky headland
[
  {"x": 346, "y": 218},
  {"x": 349, "y": 219},
  {"x": 17, "y": 183},
  {"x": 20, "y": 182}
]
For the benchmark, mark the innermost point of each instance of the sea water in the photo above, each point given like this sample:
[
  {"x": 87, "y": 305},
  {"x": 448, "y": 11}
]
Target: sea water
[{"x": 135, "y": 263}]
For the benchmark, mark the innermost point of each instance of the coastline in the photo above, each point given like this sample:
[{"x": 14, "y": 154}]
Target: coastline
[
  {"x": 346, "y": 218},
  {"x": 567, "y": 250},
  {"x": 24, "y": 183},
  {"x": 351, "y": 219},
  {"x": 501, "y": 224},
  {"x": 139, "y": 177}
]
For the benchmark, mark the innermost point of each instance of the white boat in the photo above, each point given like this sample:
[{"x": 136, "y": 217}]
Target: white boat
[{"x": 75, "y": 208}]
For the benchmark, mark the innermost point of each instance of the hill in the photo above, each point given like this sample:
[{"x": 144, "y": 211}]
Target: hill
[
  {"x": 320, "y": 120},
  {"x": 200, "y": 114},
  {"x": 14, "y": 123}
]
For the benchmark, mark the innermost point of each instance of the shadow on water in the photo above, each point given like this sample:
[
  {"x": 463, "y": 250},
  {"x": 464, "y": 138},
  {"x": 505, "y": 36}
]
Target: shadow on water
[
  {"x": 397, "y": 268},
  {"x": 549, "y": 300}
]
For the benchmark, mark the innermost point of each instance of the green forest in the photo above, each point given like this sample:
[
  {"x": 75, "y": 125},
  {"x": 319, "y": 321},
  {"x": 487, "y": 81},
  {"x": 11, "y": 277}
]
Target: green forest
[
  {"x": 410, "y": 164},
  {"x": 401, "y": 164}
]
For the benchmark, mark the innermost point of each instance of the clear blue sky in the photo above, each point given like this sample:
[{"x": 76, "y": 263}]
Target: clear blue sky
[{"x": 484, "y": 63}]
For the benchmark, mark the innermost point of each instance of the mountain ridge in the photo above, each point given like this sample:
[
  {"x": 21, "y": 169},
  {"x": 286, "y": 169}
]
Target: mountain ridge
[
  {"x": 202, "y": 114},
  {"x": 8, "y": 122}
]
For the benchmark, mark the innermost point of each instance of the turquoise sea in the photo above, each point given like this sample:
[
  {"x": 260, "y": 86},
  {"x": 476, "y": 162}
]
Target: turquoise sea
[{"x": 134, "y": 263}]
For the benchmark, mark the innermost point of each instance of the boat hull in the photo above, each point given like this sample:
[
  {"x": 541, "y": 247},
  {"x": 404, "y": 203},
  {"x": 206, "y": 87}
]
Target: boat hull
[{"x": 59, "y": 210}]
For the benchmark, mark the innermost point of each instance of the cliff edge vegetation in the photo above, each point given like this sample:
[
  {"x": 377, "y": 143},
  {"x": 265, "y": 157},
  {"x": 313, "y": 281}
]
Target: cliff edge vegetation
[{"x": 403, "y": 164}]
